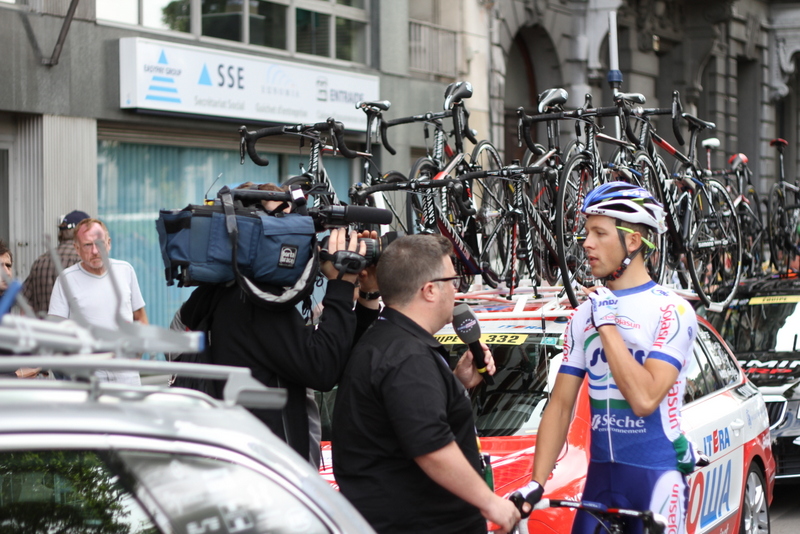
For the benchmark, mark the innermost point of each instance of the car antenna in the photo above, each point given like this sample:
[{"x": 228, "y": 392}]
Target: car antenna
[{"x": 205, "y": 197}]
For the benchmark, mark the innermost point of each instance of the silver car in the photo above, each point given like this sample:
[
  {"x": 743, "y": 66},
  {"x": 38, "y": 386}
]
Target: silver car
[{"x": 84, "y": 456}]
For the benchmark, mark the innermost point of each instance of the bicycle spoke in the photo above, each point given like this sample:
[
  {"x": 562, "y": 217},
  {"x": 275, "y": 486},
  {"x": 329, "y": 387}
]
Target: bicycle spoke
[{"x": 714, "y": 245}]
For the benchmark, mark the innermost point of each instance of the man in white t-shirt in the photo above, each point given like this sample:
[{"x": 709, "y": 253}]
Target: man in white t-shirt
[{"x": 94, "y": 296}]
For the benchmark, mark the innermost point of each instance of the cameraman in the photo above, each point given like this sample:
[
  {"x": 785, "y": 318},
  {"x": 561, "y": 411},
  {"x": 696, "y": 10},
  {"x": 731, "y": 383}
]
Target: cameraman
[{"x": 279, "y": 347}]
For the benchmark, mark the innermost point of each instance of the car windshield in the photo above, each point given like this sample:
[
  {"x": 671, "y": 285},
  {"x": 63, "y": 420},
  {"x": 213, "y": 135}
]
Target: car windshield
[
  {"x": 513, "y": 405},
  {"x": 764, "y": 323}
]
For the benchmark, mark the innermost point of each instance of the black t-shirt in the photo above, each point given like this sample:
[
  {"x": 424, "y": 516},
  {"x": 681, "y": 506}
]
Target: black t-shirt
[
  {"x": 398, "y": 399},
  {"x": 280, "y": 349}
]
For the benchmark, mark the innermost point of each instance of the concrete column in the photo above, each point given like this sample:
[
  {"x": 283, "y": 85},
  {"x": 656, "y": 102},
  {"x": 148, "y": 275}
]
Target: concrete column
[{"x": 53, "y": 171}]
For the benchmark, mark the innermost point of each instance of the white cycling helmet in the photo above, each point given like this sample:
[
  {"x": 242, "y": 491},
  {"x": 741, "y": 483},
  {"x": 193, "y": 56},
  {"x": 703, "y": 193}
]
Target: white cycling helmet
[
  {"x": 626, "y": 202},
  {"x": 629, "y": 203}
]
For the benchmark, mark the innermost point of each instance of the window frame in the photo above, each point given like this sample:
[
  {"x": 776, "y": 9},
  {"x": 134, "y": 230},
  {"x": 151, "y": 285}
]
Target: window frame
[
  {"x": 330, "y": 8},
  {"x": 723, "y": 352}
]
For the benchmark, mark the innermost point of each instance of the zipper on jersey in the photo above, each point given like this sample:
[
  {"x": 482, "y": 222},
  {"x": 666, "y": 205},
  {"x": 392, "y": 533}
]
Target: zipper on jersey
[{"x": 608, "y": 426}]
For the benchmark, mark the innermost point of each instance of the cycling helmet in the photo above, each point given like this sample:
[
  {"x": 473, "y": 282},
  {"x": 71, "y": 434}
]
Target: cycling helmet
[
  {"x": 626, "y": 202},
  {"x": 629, "y": 203}
]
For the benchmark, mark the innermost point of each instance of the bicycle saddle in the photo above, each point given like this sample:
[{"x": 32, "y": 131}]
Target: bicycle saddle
[
  {"x": 633, "y": 98},
  {"x": 711, "y": 142},
  {"x": 552, "y": 98},
  {"x": 778, "y": 142},
  {"x": 382, "y": 105},
  {"x": 700, "y": 124},
  {"x": 456, "y": 92},
  {"x": 737, "y": 160}
]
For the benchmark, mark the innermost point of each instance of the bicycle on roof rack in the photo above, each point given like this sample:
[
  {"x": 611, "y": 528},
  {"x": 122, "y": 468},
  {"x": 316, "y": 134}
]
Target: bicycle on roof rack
[
  {"x": 582, "y": 172},
  {"x": 315, "y": 180},
  {"x": 474, "y": 256},
  {"x": 738, "y": 180},
  {"x": 783, "y": 210},
  {"x": 703, "y": 238}
]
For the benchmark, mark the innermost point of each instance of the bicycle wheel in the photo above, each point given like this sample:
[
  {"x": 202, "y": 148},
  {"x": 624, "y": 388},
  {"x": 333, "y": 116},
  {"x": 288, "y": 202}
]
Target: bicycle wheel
[
  {"x": 677, "y": 268},
  {"x": 576, "y": 181},
  {"x": 643, "y": 165},
  {"x": 493, "y": 231},
  {"x": 777, "y": 221},
  {"x": 384, "y": 201},
  {"x": 422, "y": 169},
  {"x": 714, "y": 246},
  {"x": 753, "y": 232},
  {"x": 541, "y": 198}
]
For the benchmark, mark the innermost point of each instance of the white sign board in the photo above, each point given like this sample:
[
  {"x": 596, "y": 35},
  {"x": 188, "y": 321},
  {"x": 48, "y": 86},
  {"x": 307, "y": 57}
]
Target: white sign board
[{"x": 188, "y": 79}]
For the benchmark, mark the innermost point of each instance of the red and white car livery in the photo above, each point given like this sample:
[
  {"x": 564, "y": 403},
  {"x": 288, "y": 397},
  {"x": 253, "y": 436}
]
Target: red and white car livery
[{"x": 723, "y": 414}]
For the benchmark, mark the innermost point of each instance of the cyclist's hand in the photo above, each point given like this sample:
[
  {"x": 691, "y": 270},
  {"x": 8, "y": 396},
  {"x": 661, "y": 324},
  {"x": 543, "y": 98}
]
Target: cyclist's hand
[
  {"x": 502, "y": 513},
  {"x": 526, "y": 497},
  {"x": 604, "y": 307}
]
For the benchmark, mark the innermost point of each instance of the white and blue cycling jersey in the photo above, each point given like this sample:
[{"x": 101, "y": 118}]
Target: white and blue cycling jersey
[{"x": 654, "y": 323}]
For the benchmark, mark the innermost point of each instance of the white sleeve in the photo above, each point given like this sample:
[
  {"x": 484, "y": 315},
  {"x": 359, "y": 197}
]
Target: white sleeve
[
  {"x": 137, "y": 301},
  {"x": 58, "y": 300}
]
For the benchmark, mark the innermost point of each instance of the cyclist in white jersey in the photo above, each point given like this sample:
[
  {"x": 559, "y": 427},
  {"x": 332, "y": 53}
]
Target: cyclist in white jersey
[{"x": 633, "y": 339}]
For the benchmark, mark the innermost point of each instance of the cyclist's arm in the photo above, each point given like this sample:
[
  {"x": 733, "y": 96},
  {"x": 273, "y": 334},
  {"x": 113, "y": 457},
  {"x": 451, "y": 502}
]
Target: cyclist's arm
[
  {"x": 643, "y": 386},
  {"x": 552, "y": 431}
]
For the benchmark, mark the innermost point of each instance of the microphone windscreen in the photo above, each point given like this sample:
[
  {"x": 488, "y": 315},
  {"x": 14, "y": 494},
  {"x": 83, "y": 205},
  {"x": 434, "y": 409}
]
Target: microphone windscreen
[
  {"x": 365, "y": 214},
  {"x": 466, "y": 324}
]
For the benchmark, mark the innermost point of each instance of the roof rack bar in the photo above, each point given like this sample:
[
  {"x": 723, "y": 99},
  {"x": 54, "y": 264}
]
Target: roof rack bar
[{"x": 240, "y": 387}]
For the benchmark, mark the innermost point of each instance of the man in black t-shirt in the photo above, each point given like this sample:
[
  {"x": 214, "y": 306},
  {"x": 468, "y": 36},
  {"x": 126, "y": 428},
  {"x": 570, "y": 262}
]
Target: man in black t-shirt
[{"x": 404, "y": 446}]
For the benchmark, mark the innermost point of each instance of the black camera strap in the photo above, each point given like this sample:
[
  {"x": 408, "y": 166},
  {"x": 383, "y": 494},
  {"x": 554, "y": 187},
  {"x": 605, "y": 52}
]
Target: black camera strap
[{"x": 345, "y": 261}]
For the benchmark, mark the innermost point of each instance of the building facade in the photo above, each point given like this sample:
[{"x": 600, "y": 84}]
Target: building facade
[{"x": 123, "y": 107}]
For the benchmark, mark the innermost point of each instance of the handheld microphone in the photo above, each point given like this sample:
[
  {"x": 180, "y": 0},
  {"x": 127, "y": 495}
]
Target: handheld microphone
[{"x": 469, "y": 331}]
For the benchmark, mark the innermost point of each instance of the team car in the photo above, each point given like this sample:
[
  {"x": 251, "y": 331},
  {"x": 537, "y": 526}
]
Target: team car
[
  {"x": 724, "y": 415},
  {"x": 762, "y": 326}
]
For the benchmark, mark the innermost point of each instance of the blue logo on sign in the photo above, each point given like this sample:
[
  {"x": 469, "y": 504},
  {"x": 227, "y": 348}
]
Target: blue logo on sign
[
  {"x": 205, "y": 78},
  {"x": 162, "y": 84}
]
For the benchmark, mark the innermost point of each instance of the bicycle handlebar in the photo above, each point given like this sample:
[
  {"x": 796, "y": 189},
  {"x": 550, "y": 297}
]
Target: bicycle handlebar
[
  {"x": 526, "y": 121},
  {"x": 248, "y": 138},
  {"x": 654, "y": 523},
  {"x": 677, "y": 113}
]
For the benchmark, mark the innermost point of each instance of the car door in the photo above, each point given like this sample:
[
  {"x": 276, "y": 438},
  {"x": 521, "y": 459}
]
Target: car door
[{"x": 722, "y": 414}]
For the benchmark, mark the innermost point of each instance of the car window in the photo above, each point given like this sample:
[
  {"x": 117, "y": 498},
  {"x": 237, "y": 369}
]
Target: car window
[
  {"x": 200, "y": 494},
  {"x": 66, "y": 491},
  {"x": 514, "y": 404},
  {"x": 696, "y": 385},
  {"x": 132, "y": 492},
  {"x": 721, "y": 360},
  {"x": 760, "y": 323}
]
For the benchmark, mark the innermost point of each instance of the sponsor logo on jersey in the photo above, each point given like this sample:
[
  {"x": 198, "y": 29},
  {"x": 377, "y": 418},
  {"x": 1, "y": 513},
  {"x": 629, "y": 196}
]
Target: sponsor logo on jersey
[
  {"x": 627, "y": 323},
  {"x": 674, "y": 511},
  {"x": 627, "y": 424},
  {"x": 674, "y": 406},
  {"x": 668, "y": 318}
]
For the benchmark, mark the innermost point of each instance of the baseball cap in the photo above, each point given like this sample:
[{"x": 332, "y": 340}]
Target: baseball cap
[{"x": 71, "y": 219}]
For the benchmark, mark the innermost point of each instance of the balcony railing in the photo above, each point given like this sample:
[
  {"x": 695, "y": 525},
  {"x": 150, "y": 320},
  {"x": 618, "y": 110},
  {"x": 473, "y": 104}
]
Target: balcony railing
[{"x": 432, "y": 49}]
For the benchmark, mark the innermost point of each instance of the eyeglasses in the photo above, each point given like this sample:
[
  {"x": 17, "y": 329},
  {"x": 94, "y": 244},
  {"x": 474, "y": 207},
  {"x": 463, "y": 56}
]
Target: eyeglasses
[{"x": 455, "y": 280}]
